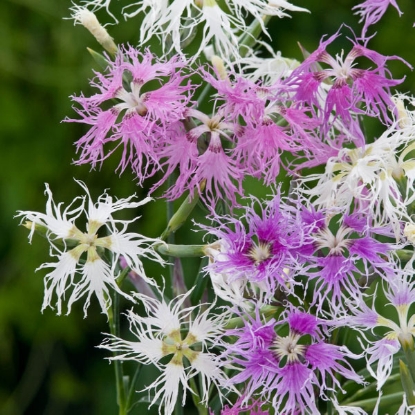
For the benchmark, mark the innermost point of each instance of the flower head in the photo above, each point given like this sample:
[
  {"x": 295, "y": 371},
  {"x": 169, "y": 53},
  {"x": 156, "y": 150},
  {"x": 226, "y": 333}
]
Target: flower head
[
  {"x": 400, "y": 333},
  {"x": 371, "y": 11},
  {"x": 169, "y": 331},
  {"x": 286, "y": 367},
  {"x": 261, "y": 255},
  {"x": 142, "y": 113},
  {"x": 178, "y": 20},
  {"x": 81, "y": 264},
  {"x": 367, "y": 177},
  {"x": 345, "y": 256},
  {"x": 342, "y": 90}
]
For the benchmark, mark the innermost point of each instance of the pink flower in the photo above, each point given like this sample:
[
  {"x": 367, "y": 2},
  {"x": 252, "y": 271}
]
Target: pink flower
[
  {"x": 222, "y": 173},
  {"x": 265, "y": 253},
  {"x": 179, "y": 151},
  {"x": 343, "y": 257},
  {"x": 142, "y": 113},
  {"x": 353, "y": 90},
  {"x": 255, "y": 408},
  {"x": 371, "y": 11}
]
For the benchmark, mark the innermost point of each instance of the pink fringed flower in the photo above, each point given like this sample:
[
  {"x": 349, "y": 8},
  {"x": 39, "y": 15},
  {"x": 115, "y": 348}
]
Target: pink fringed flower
[
  {"x": 221, "y": 172},
  {"x": 142, "y": 112},
  {"x": 346, "y": 255},
  {"x": 353, "y": 90},
  {"x": 371, "y": 11}
]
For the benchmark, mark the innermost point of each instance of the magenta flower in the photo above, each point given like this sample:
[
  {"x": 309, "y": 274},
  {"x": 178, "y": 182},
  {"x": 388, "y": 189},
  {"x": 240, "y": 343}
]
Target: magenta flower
[
  {"x": 344, "y": 260},
  {"x": 178, "y": 152},
  {"x": 271, "y": 124},
  {"x": 265, "y": 253},
  {"x": 352, "y": 91},
  {"x": 143, "y": 112},
  {"x": 239, "y": 408},
  {"x": 291, "y": 370},
  {"x": 371, "y": 11}
]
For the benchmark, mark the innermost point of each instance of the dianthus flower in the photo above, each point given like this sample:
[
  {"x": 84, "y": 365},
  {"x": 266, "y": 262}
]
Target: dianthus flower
[
  {"x": 367, "y": 178},
  {"x": 160, "y": 336},
  {"x": 290, "y": 370},
  {"x": 175, "y": 22},
  {"x": 371, "y": 11},
  {"x": 82, "y": 253},
  {"x": 345, "y": 258},
  {"x": 352, "y": 91},
  {"x": 222, "y": 174},
  {"x": 259, "y": 251},
  {"x": 138, "y": 120},
  {"x": 400, "y": 294},
  {"x": 406, "y": 409},
  {"x": 240, "y": 408},
  {"x": 269, "y": 123}
]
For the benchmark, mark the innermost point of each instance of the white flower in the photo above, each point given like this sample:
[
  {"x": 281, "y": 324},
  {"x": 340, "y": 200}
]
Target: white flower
[
  {"x": 80, "y": 254},
  {"x": 231, "y": 291},
  {"x": 176, "y": 21},
  {"x": 268, "y": 70},
  {"x": 169, "y": 330},
  {"x": 368, "y": 177},
  {"x": 344, "y": 410},
  {"x": 405, "y": 409}
]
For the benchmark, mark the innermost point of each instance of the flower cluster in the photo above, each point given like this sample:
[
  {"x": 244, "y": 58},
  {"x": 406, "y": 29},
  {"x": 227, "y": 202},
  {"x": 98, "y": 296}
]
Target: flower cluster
[{"x": 286, "y": 280}]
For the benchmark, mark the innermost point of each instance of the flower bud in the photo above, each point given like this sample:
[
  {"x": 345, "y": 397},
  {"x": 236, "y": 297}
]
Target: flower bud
[{"x": 88, "y": 19}]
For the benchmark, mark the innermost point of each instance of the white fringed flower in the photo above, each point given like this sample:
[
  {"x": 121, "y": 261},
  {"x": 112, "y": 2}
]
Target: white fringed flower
[
  {"x": 175, "y": 22},
  {"x": 169, "y": 330},
  {"x": 80, "y": 255},
  {"x": 369, "y": 177}
]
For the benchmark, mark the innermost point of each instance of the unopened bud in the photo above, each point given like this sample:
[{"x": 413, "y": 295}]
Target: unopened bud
[
  {"x": 88, "y": 19},
  {"x": 402, "y": 115},
  {"x": 217, "y": 63},
  {"x": 409, "y": 232}
]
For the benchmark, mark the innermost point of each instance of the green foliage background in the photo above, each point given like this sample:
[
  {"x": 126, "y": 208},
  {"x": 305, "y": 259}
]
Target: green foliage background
[{"x": 48, "y": 363}]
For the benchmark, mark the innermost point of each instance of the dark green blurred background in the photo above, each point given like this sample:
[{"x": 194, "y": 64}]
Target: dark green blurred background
[{"x": 48, "y": 364}]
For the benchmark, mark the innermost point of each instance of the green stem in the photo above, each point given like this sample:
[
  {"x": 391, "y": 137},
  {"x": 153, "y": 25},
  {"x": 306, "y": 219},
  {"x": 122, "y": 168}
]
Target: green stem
[
  {"x": 181, "y": 251},
  {"x": 408, "y": 347},
  {"x": 407, "y": 383},
  {"x": 170, "y": 236},
  {"x": 201, "y": 409},
  {"x": 369, "y": 404},
  {"x": 201, "y": 282},
  {"x": 177, "y": 219},
  {"x": 132, "y": 386},
  {"x": 250, "y": 37},
  {"x": 178, "y": 408},
  {"x": 123, "y": 275},
  {"x": 114, "y": 325},
  {"x": 268, "y": 311}
]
